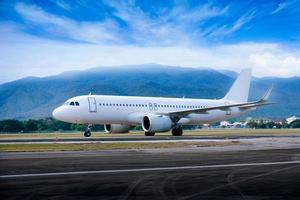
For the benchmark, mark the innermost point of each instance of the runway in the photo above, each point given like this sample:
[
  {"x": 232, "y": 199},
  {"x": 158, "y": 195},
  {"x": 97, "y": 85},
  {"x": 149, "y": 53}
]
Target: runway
[
  {"x": 147, "y": 174},
  {"x": 113, "y": 139}
]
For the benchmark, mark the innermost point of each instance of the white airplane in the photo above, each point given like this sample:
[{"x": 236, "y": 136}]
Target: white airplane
[{"x": 157, "y": 114}]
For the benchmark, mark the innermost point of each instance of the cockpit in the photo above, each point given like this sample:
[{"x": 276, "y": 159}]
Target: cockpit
[{"x": 72, "y": 103}]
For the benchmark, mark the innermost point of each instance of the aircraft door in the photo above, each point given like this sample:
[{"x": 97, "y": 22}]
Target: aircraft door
[{"x": 92, "y": 104}]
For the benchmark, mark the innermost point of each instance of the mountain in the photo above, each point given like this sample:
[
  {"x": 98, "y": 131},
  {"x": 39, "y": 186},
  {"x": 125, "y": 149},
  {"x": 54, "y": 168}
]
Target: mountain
[{"x": 34, "y": 97}]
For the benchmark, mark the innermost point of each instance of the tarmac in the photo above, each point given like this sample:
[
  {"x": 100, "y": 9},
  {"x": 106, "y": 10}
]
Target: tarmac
[
  {"x": 198, "y": 173},
  {"x": 114, "y": 139}
]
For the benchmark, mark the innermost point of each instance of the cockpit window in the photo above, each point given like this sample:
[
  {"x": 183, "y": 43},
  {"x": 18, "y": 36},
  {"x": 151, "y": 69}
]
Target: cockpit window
[{"x": 73, "y": 103}]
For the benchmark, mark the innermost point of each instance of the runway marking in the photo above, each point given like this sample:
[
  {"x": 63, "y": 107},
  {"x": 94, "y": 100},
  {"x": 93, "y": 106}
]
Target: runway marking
[{"x": 148, "y": 169}]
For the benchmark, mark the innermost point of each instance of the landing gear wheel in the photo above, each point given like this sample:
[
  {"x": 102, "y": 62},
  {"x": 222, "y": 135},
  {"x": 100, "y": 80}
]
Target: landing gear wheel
[
  {"x": 87, "y": 134},
  {"x": 177, "y": 132},
  {"x": 149, "y": 133}
]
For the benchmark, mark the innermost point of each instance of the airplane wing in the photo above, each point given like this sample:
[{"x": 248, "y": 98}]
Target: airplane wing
[{"x": 243, "y": 106}]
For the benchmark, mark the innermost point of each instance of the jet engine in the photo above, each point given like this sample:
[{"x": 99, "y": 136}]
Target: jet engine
[
  {"x": 116, "y": 128},
  {"x": 156, "y": 123}
]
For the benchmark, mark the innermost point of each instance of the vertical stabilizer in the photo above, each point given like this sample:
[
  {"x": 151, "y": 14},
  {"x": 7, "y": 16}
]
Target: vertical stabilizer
[{"x": 239, "y": 91}]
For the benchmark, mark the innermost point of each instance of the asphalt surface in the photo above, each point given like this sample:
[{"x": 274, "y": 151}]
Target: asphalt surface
[
  {"x": 147, "y": 174},
  {"x": 141, "y": 138}
]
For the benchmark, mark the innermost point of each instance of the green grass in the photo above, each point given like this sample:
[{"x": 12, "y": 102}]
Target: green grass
[
  {"x": 43, "y": 147},
  {"x": 85, "y": 147}
]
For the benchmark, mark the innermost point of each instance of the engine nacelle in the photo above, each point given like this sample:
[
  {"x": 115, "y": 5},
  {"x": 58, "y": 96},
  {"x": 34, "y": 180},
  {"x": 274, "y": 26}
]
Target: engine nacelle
[
  {"x": 156, "y": 123},
  {"x": 116, "y": 128}
]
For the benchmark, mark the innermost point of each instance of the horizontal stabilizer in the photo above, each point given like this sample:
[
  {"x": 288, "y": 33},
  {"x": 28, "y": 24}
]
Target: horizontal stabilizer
[
  {"x": 245, "y": 107},
  {"x": 267, "y": 94}
]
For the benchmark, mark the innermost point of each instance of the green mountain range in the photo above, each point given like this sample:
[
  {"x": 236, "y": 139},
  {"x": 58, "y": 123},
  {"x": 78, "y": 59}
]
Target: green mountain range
[{"x": 35, "y": 98}]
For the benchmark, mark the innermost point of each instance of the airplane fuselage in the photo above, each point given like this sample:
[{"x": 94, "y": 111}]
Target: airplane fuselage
[{"x": 101, "y": 109}]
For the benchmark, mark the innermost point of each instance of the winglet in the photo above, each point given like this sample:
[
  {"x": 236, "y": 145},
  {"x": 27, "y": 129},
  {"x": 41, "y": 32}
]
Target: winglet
[{"x": 267, "y": 94}]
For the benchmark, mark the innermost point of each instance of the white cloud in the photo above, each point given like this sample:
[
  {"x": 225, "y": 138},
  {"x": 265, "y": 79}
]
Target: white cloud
[
  {"x": 229, "y": 29},
  {"x": 62, "y": 4},
  {"x": 166, "y": 39},
  {"x": 176, "y": 25},
  {"x": 284, "y": 5},
  {"x": 23, "y": 55},
  {"x": 99, "y": 32}
]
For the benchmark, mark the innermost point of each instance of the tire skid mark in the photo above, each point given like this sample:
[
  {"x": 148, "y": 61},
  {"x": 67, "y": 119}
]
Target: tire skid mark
[
  {"x": 233, "y": 184},
  {"x": 133, "y": 186},
  {"x": 237, "y": 182}
]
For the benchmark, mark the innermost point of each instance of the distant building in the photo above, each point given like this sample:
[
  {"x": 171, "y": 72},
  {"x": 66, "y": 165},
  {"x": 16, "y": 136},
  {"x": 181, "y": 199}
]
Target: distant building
[
  {"x": 258, "y": 120},
  {"x": 206, "y": 126},
  {"x": 238, "y": 125},
  {"x": 291, "y": 119},
  {"x": 226, "y": 124},
  {"x": 279, "y": 121}
]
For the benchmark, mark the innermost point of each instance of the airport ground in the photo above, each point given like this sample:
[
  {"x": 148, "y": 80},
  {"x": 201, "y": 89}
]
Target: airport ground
[
  {"x": 197, "y": 132},
  {"x": 219, "y": 165}
]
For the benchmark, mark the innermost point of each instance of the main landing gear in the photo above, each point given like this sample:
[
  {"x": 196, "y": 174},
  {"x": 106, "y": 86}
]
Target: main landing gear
[
  {"x": 149, "y": 133},
  {"x": 88, "y": 132},
  {"x": 177, "y": 131}
]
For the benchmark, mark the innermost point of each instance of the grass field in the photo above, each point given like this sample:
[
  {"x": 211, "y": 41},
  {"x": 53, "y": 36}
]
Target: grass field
[
  {"x": 202, "y": 132},
  {"x": 82, "y": 147},
  {"x": 42, "y": 147}
]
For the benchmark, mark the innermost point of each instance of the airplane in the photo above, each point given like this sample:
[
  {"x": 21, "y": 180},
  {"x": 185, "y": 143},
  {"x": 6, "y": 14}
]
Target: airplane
[{"x": 158, "y": 114}]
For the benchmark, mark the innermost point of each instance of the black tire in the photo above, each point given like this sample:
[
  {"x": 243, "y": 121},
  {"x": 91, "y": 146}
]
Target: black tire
[
  {"x": 149, "y": 133},
  {"x": 177, "y": 132},
  {"x": 87, "y": 134}
]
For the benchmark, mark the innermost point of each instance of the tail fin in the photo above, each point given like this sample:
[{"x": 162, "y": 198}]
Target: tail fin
[{"x": 239, "y": 91}]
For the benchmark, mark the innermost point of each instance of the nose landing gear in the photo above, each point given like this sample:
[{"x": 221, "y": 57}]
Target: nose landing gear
[{"x": 88, "y": 132}]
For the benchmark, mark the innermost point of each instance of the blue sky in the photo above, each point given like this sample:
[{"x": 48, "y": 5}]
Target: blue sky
[{"x": 43, "y": 38}]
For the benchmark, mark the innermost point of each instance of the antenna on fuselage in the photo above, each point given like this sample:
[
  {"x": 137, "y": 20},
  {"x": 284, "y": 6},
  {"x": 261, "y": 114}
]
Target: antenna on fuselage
[{"x": 90, "y": 93}]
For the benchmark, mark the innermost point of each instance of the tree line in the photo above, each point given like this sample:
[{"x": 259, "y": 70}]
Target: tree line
[
  {"x": 50, "y": 124},
  {"x": 41, "y": 125},
  {"x": 268, "y": 125}
]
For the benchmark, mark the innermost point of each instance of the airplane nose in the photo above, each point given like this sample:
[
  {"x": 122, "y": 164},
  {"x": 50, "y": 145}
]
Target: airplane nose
[{"x": 56, "y": 113}]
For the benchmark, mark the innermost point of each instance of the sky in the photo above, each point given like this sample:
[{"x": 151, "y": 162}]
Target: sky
[{"x": 42, "y": 38}]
